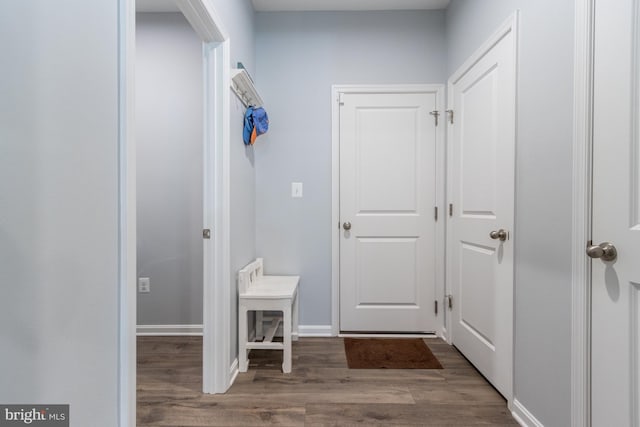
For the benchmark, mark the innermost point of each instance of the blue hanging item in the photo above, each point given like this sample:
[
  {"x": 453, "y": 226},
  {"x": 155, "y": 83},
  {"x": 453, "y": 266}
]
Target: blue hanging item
[
  {"x": 256, "y": 122},
  {"x": 248, "y": 126},
  {"x": 261, "y": 123}
]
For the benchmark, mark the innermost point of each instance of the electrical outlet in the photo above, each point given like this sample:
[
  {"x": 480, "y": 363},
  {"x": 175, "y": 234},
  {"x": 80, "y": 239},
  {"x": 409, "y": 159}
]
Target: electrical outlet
[
  {"x": 296, "y": 189},
  {"x": 144, "y": 285}
]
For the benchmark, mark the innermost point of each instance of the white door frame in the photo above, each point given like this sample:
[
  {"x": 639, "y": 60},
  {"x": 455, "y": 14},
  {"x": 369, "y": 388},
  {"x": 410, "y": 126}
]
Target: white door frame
[
  {"x": 336, "y": 90},
  {"x": 217, "y": 277},
  {"x": 581, "y": 207}
]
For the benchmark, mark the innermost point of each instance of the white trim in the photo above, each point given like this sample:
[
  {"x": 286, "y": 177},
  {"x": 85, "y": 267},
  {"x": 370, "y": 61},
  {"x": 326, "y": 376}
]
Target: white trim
[
  {"x": 376, "y": 335},
  {"x": 169, "y": 330},
  {"x": 127, "y": 244},
  {"x": 303, "y": 330},
  {"x": 336, "y": 90},
  {"x": 233, "y": 371},
  {"x": 581, "y": 208},
  {"x": 217, "y": 217},
  {"x": 335, "y": 210},
  {"x": 445, "y": 332},
  {"x": 217, "y": 288},
  {"x": 441, "y": 203},
  {"x": 315, "y": 331},
  {"x": 523, "y": 416},
  {"x": 203, "y": 18}
]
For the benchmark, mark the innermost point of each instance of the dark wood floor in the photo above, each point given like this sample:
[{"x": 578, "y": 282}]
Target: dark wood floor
[{"x": 320, "y": 391}]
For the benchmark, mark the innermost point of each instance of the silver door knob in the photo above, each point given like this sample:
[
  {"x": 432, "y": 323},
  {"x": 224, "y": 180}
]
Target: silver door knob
[
  {"x": 606, "y": 251},
  {"x": 346, "y": 226},
  {"x": 498, "y": 235}
]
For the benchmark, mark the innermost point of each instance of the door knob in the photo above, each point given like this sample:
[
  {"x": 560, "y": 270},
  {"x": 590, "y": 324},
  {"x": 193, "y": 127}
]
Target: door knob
[
  {"x": 606, "y": 251},
  {"x": 498, "y": 235},
  {"x": 346, "y": 226}
]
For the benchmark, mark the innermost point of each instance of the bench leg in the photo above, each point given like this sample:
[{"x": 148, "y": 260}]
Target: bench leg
[
  {"x": 243, "y": 337},
  {"x": 286, "y": 332},
  {"x": 259, "y": 331},
  {"x": 295, "y": 318}
]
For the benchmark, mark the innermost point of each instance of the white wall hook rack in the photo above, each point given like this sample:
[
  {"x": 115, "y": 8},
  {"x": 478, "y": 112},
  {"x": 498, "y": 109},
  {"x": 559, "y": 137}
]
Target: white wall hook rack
[{"x": 244, "y": 88}]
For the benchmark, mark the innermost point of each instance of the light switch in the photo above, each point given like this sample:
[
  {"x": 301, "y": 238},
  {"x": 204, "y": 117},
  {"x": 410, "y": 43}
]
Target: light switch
[{"x": 296, "y": 189}]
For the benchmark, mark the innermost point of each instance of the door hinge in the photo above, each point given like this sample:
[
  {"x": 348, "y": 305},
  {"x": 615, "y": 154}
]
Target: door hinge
[
  {"x": 435, "y": 114},
  {"x": 450, "y": 113},
  {"x": 436, "y": 307},
  {"x": 450, "y": 209},
  {"x": 435, "y": 213},
  {"x": 449, "y": 300},
  {"x": 340, "y": 100},
  {"x": 206, "y": 233}
]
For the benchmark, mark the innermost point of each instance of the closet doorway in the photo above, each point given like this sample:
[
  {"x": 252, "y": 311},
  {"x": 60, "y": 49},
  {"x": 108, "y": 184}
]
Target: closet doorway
[
  {"x": 200, "y": 154},
  {"x": 169, "y": 135}
]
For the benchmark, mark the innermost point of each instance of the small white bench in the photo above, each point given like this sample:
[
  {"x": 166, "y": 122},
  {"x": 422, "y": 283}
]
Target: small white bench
[{"x": 260, "y": 293}]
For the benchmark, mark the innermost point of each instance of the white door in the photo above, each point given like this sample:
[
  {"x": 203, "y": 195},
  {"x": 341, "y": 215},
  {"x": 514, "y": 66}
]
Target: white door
[
  {"x": 616, "y": 216},
  {"x": 480, "y": 263},
  {"x": 387, "y": 200}
]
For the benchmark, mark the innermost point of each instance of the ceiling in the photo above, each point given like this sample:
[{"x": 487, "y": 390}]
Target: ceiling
[
  {"x": 308, "y": 5},
  {"x": 327, "y": 5}
]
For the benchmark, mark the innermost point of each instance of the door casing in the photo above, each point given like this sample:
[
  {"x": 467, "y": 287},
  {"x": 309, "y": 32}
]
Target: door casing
[
  {"x": 581, "y": 211},
  {"x": 217, "y": 293},
  {"x": 438, "y": 90}
]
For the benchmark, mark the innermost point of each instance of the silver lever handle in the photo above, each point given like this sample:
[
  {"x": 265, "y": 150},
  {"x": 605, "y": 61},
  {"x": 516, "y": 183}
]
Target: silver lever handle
[
  {"x": 606, "y": 251},
  {"x": 346, "y": 226},
  {"x": 498, "y": 235}
]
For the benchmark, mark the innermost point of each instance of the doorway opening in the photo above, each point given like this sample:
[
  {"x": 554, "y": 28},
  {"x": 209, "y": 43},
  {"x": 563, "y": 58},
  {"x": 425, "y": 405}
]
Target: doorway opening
[
  {"x": 169, "y": 135},
  {"x": 212, "y": 107}
]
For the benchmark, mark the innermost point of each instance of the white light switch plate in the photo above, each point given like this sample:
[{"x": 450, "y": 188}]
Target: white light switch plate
[{"x": 296, "y": 189}]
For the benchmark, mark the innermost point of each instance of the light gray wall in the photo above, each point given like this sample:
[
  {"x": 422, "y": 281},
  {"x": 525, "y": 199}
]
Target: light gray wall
[
  {"x": 299, "y": 56},
  {"x": 169, "y": 135},
  {"x": 238, "y": 19},
  {"x": 543, "y": 189},
  {"x": 59, "y": 206}
]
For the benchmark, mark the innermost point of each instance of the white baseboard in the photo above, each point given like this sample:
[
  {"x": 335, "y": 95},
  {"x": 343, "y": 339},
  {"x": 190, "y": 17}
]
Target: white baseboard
[
  {"x": 303, "y": 330},
  {"x": 523, "y": 416},
  {"x": 384, "y": 335},
  {"x": 233, "y": 371},
  {"x": 168, "y": 330},
  {"x": 445, "y": 336},
  {"x": 314, "y": 331}
]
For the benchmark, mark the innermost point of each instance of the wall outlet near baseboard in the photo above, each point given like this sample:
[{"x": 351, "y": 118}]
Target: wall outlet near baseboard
[{"x": 144, "y": 285}]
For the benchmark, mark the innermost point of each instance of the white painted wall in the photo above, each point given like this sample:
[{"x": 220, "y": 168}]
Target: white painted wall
[
  {"x": 299, "y": 56},
  {"x": 169, "y": 128},
  {"x": 59, "y": 206},
  {"x": 543, "y": 189}
]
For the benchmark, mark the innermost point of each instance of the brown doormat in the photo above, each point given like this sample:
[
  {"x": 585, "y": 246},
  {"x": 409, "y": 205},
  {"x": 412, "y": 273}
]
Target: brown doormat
[{"x": 389, "y": 353}]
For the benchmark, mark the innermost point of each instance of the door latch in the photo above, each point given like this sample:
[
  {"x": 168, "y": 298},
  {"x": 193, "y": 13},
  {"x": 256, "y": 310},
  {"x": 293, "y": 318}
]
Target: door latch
[
  {"x": 206, "y": 233},
  {"x": 449, "y": 300}
]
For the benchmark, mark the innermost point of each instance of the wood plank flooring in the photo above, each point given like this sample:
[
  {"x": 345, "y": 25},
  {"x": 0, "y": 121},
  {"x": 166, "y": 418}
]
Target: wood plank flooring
[{"x": 320, "y": 391}]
